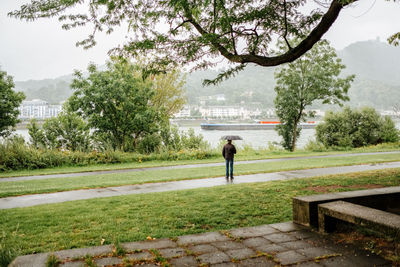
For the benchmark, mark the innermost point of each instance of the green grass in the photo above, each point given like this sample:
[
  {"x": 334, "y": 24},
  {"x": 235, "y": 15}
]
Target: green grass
[
  {"x": 248, "y": 154},
  {"x": 150, "y": 176},
  {"x": 169, "y": 214}
]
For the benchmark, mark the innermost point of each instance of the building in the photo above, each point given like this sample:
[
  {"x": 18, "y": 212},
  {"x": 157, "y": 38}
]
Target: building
[
  {"x": 38, "y": 109},
  {"x": 229, "y": 112}
]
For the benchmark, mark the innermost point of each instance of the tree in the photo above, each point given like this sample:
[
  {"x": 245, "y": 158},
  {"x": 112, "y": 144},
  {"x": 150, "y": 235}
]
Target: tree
[
  {"x": 9, "y": 103},
  {"x": 66, "y": 131},
  {"x": 356, "y": 128},
  {"x": 185, "y": 31},
  {"x": 116, "y": 103},
  {"x": 169, "y": 94},
  {"x": 36, "y": 134},
  {"x": 73, "y": 132},
  {"x": 315, "y": 76}
]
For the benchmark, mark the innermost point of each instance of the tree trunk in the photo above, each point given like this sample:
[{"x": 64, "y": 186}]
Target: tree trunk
[{"x": 294, "y": 137}]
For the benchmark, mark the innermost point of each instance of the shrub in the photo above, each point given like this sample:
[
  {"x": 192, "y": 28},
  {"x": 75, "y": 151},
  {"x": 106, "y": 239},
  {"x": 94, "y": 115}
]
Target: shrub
[
  {"x": 149, "y": 144},
  {"x": 315, "y": 146},
  {"x": 15, "y": 154},
  {"x": 175, "y": 140},
  {"x": 356, "y": 128}
]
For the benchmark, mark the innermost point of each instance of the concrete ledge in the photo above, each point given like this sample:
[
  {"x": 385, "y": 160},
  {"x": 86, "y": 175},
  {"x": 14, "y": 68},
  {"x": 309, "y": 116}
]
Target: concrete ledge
[
  {"x": 374, "y": 219},
  {"x": 305, "y": 209}
]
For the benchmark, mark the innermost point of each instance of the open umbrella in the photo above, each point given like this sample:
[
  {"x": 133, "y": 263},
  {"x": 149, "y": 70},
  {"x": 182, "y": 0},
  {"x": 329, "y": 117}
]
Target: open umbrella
[{"x": 231, "y": 137}]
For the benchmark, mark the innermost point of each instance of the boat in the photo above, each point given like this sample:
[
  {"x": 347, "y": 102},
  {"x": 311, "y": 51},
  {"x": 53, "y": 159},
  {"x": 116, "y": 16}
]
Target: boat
[{"x": 260, "y": 125}]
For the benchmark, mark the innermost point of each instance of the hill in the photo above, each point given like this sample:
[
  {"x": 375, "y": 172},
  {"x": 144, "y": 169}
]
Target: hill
[
  {"x": 373, "y": 60},
  {"x": 376, "y": 65}
]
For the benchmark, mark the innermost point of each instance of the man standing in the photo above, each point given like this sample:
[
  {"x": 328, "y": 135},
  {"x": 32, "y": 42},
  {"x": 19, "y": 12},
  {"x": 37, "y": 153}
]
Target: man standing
[{"x": 228, "y": 152}]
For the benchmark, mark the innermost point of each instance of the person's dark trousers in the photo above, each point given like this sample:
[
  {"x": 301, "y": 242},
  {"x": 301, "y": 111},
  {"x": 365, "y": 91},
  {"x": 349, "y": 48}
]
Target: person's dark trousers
[{"x": 229, "y": 167}]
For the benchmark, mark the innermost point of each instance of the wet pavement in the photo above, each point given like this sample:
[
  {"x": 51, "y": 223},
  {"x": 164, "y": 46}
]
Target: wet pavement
[
  {"x": 282, "y": 244},
  {"x": 39, "y": 199},
  {"x": 64, "y": 175}
]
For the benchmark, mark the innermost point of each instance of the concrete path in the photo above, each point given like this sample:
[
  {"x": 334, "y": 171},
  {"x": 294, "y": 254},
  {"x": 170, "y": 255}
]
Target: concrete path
[
  {"x": 282, "y": 244},
  {"x": 64, "y": 175},
  {"x": 39, "y": 199}
]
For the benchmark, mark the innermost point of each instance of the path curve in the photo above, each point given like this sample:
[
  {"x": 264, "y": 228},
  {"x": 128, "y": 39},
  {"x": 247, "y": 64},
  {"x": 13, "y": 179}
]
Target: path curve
[
  {"x": 39, "y": 199},
  {"x": 76, "y": 174}
]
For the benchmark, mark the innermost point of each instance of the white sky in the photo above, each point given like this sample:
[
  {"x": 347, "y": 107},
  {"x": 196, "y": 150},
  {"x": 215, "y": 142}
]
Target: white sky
[{"x": 41, "y": 49}]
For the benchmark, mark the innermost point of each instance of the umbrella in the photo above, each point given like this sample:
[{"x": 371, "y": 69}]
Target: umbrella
[{"x": 231, "y": 137}]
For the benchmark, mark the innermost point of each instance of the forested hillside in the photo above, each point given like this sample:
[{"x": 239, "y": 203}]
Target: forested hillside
[
  {"x": 375, "y": 64},
  {"x": 52, "y": 90}
]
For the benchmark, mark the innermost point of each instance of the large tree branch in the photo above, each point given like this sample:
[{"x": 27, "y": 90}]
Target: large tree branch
[{"x": 316, "y": 34}]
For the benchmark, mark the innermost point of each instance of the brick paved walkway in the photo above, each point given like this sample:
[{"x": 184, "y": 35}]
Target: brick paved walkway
[{"x": 285, "y": 244}]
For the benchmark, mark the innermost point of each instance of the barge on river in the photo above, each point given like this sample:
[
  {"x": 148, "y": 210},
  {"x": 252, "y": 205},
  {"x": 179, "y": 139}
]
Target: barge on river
[{"x": 262, "y": 125}]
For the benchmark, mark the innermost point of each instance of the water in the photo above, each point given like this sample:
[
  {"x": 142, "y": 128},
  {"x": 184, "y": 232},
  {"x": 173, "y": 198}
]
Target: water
[{"x": 254, "y": 138}]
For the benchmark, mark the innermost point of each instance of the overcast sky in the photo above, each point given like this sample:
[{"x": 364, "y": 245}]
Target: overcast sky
[{"x": 41, "y": 49}]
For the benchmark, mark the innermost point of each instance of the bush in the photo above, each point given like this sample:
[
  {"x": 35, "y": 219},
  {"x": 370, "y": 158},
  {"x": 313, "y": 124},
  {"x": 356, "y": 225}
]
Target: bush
[
  {"x": 315, "y": 146},
  {"x": 175, "y": 140},
  {"x": 15, "y": 154},
  {"x": 356, "y": 128},
  {"x": 149, "y": 144}
]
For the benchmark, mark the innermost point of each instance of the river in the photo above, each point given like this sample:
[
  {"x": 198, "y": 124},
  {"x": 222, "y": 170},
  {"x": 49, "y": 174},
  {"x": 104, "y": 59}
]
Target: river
[{"x": 254, "y": 138}]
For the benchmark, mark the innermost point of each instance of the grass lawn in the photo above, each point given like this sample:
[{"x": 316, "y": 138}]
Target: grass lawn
[
  {"x": 242, "y": 155},
  {"x": 169, "y": 214},
  {"x": 149, "y": 176}
]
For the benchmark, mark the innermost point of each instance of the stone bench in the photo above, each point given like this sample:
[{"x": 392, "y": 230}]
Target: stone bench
[
  {"x": 305, "y": 208},
  {"x": 330, "y": 213}
]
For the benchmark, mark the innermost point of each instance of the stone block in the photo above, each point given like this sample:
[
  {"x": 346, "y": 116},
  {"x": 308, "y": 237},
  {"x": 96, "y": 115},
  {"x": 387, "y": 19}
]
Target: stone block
[
  {"x": 271, "y": 248},
  {"x": 305, "y": 208},
  {"x": 228, "y": 245},
  {"x": 256, "y": 242},
  {"x": 290, "y": 257},
  {"x": 226, "y": 264},
  {"x": 201, "y": 238},
  {"x": 378, "y": 220},
  {"x": 298, "y": 244},
  {"x": 145, "y": 245},
  {"x": 253, "y": 231},
  {"x": 172, "y": 252},
  {"x": 33, "y": 260},
  {"x": 73, "y": 264},
  {"x": 201, "y": 249},
  {"x": 241, "y": 254},
  {"x": 280, "y": 237},
  {"x": 287, "y": 226},
  {"x": 82, "y": 252},
  {"x": 257, "y": 262},
  {"x": 108, "y": 261},
  {"x": 188, "y": 261},
  {"x": 140, "y": 256},
  {"x": 214, "y": 258}
]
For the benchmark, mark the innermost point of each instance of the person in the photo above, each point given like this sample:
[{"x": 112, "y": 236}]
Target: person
[{"x": 228, "y": 152}]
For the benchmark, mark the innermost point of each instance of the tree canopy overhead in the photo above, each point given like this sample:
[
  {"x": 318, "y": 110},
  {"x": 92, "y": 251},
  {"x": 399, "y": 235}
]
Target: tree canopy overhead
[{"x": 187, "y": 31}]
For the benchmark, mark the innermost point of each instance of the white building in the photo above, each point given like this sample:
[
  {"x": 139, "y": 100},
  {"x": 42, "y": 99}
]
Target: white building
[
  {"x": 228, "y": 112},
  {"x": 38, "y": 109}
]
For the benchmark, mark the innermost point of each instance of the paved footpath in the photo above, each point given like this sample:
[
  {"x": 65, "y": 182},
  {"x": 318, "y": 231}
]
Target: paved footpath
[
  {"x": 39, "y": 199},
  {"x": 282, "y": 244},
  {"x": 188, "y": 166}
]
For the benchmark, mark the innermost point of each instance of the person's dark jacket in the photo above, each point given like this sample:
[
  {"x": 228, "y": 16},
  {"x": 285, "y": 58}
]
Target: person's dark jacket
[{"x": 228, "y": 151}]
